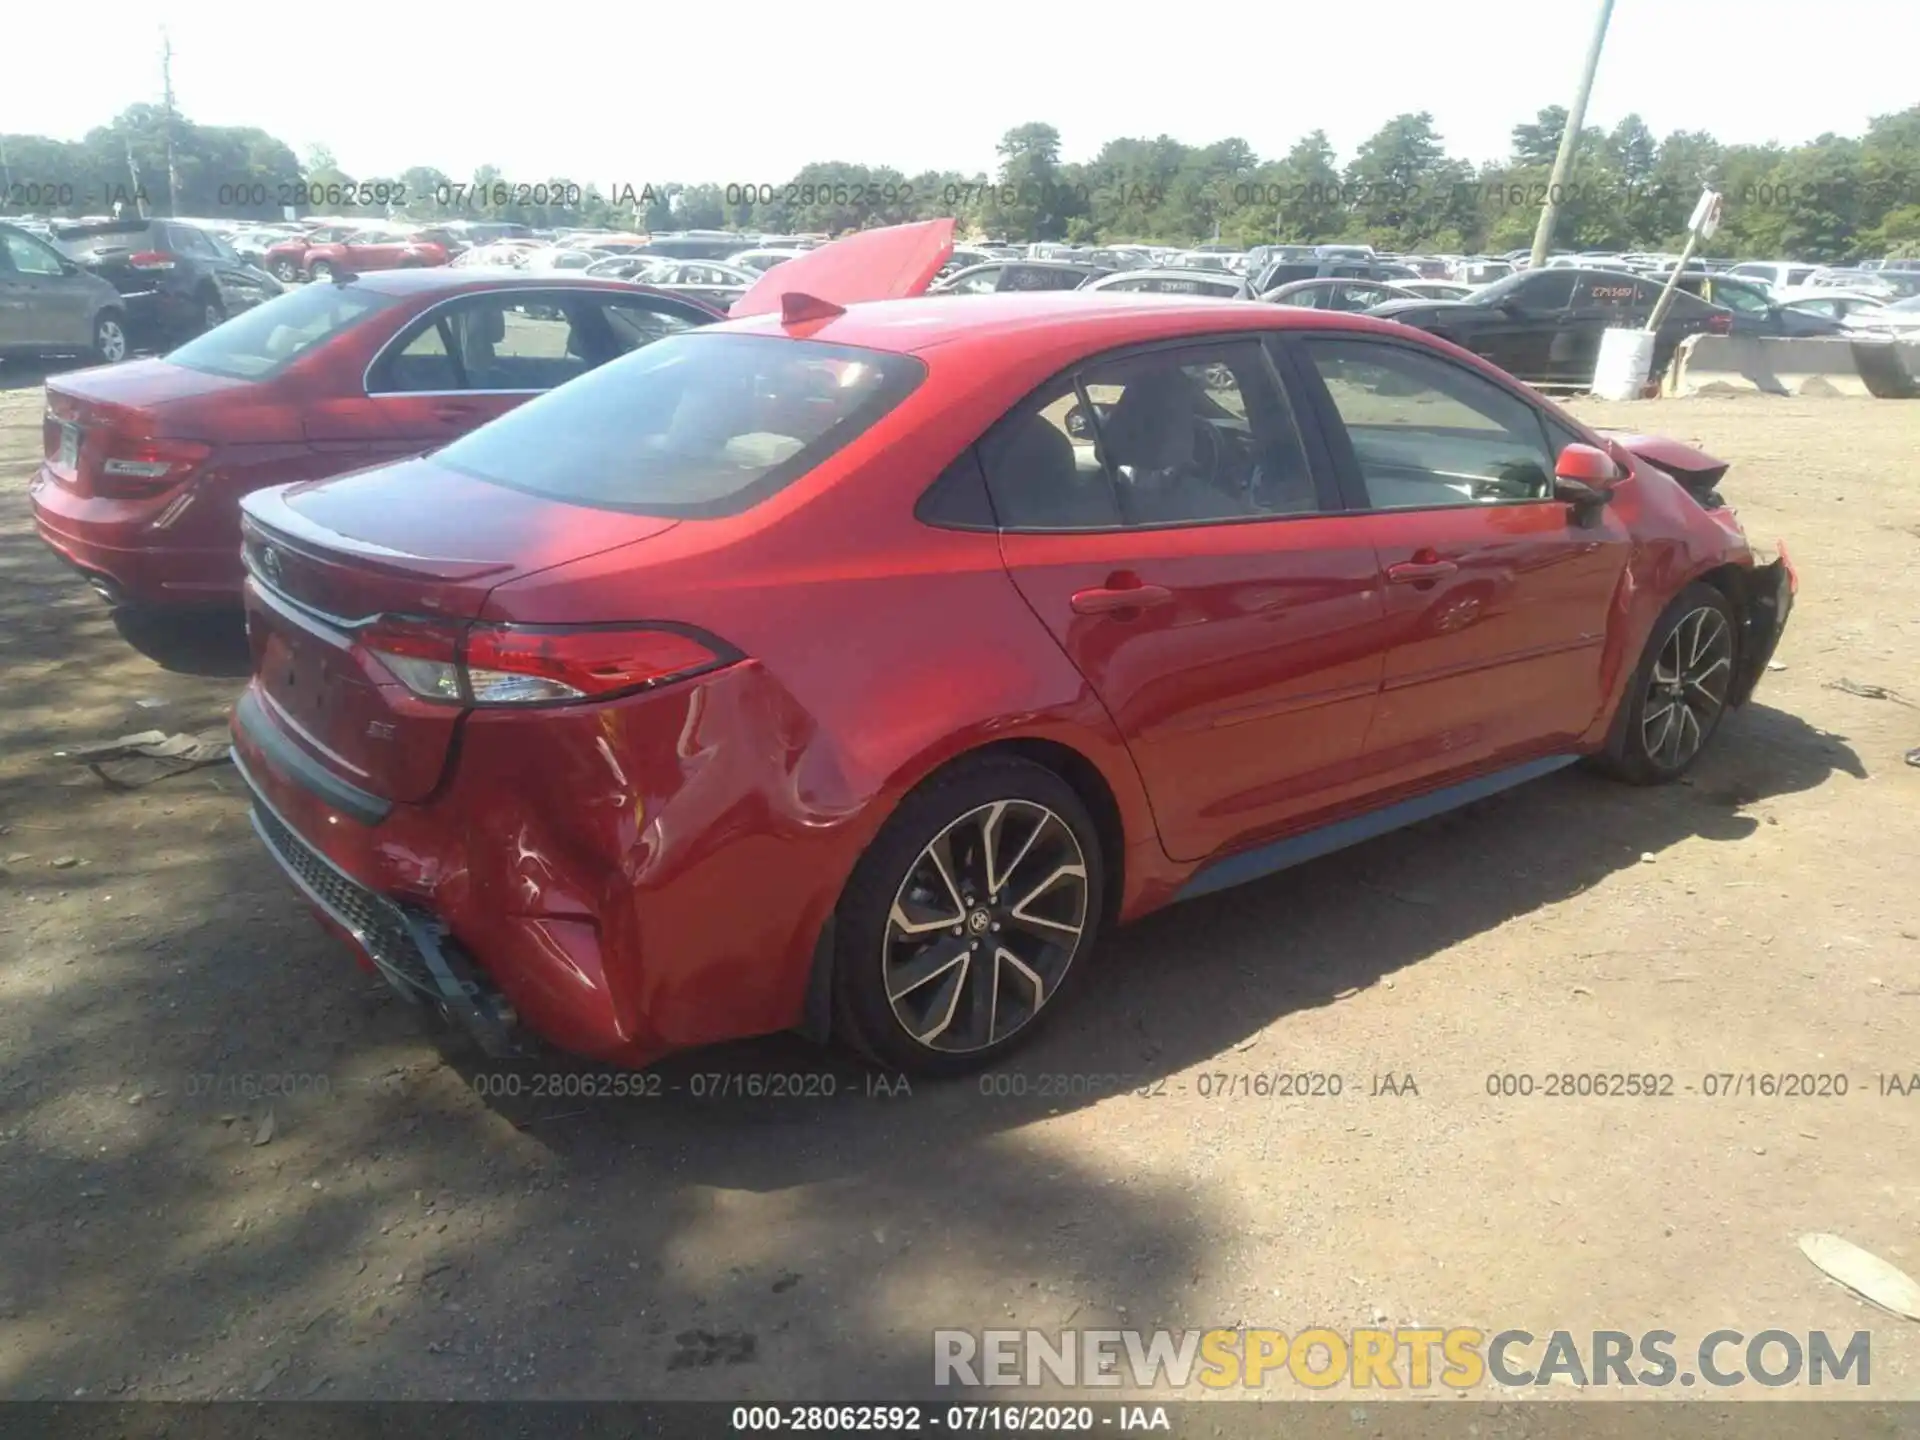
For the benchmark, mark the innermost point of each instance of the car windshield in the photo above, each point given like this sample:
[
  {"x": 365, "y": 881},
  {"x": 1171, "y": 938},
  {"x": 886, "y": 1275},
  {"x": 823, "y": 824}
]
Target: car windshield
[
  {"x": 693, "y": 426},
  {"x": 266, "y": 339}
]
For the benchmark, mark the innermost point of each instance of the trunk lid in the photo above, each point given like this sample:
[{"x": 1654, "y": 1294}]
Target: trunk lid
[
  {"x": 885, "y": 264},
  {"x": 327, "y": 559},
  {"x": 94, "y": 415}
]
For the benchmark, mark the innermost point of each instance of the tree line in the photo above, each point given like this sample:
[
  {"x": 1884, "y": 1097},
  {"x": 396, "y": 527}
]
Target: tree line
[{"x": 1833, "y": 198}]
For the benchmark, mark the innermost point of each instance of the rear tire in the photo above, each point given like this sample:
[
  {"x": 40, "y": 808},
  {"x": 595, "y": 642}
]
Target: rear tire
[
  {"x": 968, "y": 917},
  {"x": 1678, "y": 694},
  {"x": 285, "y": 271}
]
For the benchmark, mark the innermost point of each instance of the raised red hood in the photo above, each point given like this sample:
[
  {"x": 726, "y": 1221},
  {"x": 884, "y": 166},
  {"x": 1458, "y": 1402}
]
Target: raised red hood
[{"x": 887, "y": 264}]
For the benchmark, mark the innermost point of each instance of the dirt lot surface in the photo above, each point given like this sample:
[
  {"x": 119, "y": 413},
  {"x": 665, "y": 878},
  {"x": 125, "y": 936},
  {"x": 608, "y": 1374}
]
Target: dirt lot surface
[{"x": 378, "y": 1228}]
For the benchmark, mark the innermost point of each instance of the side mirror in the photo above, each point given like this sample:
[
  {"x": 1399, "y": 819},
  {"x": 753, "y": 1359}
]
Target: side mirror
[{"x": 1584, "y": 476}]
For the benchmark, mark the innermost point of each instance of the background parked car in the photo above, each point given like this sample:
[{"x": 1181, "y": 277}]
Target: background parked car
[
  {"x": 1020, "y": 275},
  {"x": 1351, "y": 296},
  {"x": 49, "y": 305},
  {"x": 1898, "y": 321},
  {"x": 1217, "y": 283},
  {"x": 146, "y": 462},
  {"x": 174, "y": 280},
  {"x": 1544, "y": 325},
  {"x": 372, "y": 248},
  {"x": 710, "y": 281},
  {"x": 762, "y": 260},
  {"x": 1348, "y": 267},
  {"x": 1755, "y": 311},
  {"x": 1831, "y": 304},
  {"x": 1435, "y": 289}
]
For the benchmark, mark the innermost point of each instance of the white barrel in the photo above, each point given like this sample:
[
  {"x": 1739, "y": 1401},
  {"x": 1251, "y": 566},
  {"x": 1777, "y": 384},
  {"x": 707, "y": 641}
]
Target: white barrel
[{"x": 1625, "y": 358}]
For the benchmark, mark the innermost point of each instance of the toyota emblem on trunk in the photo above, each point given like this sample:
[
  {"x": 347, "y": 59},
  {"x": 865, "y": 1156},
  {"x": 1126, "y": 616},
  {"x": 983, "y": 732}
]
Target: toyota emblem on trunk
[{"x": 270, "y": 563}]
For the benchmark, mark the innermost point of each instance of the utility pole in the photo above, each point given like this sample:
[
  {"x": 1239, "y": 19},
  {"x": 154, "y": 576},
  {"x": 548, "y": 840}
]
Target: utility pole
[
  {"x": 1569, "y": 138},
  {"x": 166, "y": 78}
]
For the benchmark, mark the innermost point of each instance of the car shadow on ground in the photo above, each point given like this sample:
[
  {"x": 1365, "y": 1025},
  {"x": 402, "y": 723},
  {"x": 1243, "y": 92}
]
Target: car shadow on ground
[{"x": 208, "y": 642}]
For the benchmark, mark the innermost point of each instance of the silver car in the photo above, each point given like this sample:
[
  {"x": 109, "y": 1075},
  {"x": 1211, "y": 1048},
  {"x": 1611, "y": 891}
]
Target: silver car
[{"x": 50, "y": 306}]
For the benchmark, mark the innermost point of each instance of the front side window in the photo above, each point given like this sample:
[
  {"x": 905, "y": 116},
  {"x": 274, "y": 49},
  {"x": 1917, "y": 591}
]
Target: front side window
[
  {"x": 29, "y": 256},
  {"x": 1427, "y": 433},
  {"x": 1166, "y": 438},
  {"x": 697, "y": 425}
]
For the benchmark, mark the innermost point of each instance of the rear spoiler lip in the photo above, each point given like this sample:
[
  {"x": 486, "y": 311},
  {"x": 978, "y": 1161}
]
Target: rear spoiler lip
[{"x": 272, "y": 519}]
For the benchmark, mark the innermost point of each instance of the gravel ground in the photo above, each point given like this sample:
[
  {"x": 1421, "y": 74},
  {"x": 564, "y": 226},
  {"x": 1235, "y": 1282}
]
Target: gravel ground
[{"x": 378, "y": 1228}]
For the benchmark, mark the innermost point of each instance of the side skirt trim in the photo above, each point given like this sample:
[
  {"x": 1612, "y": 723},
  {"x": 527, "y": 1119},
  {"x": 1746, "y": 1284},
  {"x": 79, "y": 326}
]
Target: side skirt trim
[{"x": 1252, "y": 864}]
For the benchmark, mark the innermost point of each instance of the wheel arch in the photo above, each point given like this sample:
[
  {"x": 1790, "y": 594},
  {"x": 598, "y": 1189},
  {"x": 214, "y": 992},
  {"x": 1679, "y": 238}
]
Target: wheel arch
[{"x": 1078, "y": 770}]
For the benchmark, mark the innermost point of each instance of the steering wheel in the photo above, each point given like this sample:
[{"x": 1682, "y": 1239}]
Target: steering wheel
[{"x": 1215, "y": 451}]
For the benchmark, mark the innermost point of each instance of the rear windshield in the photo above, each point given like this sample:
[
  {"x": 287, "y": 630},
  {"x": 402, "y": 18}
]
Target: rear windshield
[
  {"x": 694, "y": 425},
  {"x": 263, "y": 341}
]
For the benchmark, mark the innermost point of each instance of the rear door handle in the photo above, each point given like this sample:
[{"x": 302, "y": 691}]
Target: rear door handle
[
  {"x": 456, "y": 411},
  {"x": 1410, "y": 572},
  {"x": 1104, "y": 600}
]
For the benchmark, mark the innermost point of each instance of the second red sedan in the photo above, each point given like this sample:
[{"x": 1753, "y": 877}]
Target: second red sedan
[
  {"x": 145, "y": 462},
  {"x": 851, "y": 667}
]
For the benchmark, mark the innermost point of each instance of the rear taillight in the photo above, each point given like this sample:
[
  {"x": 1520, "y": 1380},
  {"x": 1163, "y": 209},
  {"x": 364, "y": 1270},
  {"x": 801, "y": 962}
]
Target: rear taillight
[
  {"x": 537, "y": 665},
  {"x": 150, "y": 260},
  {"x": 1720, "y": 324},
  {"x": 130, "y": 467}
]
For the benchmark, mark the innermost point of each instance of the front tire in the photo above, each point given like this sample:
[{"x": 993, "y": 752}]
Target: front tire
[
  {"x": 966, "y": 919},
  {"x": 1679, "y": 690},
  {"x": 110, "y": 338},
  {"x": 320, "y": 272},
  {"x": 212, "y": 313}
]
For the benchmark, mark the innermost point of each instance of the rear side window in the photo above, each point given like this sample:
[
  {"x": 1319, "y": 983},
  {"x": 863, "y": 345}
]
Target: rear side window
[
  {"x": 695, "y": 425},
  {"x": 263, "y": 341}
]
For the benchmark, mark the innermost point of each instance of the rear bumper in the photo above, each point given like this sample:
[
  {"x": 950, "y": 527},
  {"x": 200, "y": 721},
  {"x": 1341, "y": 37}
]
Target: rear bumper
[
  {"x": 1770, "y": 594},
  {"x": 113, "y": 544},
  {"x": 583, "y": 860},
  {"x": 408, "y": 949}
]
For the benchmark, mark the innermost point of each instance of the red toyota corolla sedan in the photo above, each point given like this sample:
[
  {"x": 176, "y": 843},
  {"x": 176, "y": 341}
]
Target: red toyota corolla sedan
[
  {"x": 851, "y": 667},
  {"x": 146, "y": 461}
]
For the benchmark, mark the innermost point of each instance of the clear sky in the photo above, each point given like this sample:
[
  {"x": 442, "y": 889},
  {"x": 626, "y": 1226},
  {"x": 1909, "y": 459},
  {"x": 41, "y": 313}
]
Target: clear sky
[{"x": 632, "y": 92}]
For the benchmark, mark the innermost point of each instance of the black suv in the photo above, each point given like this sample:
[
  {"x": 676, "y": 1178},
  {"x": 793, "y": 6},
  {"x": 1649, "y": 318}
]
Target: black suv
[{"x": 177, "y": 279}]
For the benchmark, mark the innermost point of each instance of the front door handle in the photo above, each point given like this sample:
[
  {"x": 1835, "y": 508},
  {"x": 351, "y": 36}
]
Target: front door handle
[
  {"x": 1412, "y": 572},
  {"x": 1104, "y": 600}
]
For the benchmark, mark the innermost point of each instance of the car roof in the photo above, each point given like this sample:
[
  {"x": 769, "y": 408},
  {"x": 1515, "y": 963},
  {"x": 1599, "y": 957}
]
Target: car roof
[
  {"x": 442, "y": 279},
  {"x": 1043, "y": 319}
]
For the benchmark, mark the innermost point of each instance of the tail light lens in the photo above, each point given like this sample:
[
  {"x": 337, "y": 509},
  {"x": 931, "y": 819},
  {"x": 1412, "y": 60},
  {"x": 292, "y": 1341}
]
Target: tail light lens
[
  {"x": 1720, "y": 324},
  {"x": 131, "y": 468},
  {"x": 151, "y": 260},
  {"x": 538, "y": 665}
]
